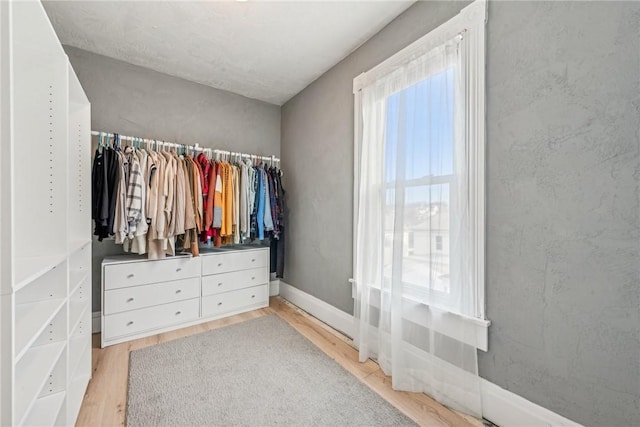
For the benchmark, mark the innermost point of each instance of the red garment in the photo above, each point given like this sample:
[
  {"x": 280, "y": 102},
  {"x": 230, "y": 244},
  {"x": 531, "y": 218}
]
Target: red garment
[
  {"x": 205, "y": 167},
  {"x": 213, "y": 171},
  {"x": 202, "y": 187},
  {"x": 205, "y": 170}
]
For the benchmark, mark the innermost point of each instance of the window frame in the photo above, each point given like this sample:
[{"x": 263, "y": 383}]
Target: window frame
[{"x": 470, "y": 23}]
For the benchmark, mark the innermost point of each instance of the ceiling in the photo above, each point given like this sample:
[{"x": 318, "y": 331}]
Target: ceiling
[{"x": 263, "y": 50}]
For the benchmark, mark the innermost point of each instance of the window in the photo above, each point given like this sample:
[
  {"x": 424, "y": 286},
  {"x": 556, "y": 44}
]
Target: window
[
  {"x": 419, "y": 132},
  {"x": 420, "y": 169}
]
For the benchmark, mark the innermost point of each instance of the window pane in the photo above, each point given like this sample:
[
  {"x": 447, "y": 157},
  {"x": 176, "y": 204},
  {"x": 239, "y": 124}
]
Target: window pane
[
  {"x": 419, "y": 144},
  {"x": 425, "y": 261},
  {"x": 419, "y": 129},
  {"x": 389, "y": 218}
]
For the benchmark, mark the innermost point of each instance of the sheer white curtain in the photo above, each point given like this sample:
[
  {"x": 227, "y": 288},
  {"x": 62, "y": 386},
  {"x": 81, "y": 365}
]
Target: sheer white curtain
[{"x": 414, "y": 243}]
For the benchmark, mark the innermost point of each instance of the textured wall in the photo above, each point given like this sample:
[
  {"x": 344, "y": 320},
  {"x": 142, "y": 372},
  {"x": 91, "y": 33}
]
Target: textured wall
[
  {"x": 563, "y": 294},
  {"x": 562, "y": 206},
  {"x": 135, "y": 101},
  {"x": 317, "y": 156}
]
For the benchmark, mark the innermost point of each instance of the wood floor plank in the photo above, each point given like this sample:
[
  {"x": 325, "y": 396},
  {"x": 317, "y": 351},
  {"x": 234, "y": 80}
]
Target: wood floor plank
[
  {"x": 104, "y": 403},
  {"x": 418, "y": 406}
]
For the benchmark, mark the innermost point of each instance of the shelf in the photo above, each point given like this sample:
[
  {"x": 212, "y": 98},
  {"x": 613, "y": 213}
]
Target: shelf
[
  {"x": 75, "y": 245},
  {"x": 32, "y": 373},
  {"x": 76, "y": 277},
  {"x": 77, "y": 307},
  {"x": 78, "y": 350},
  {"x": 31, "y": 319},
  {"x": 77, "y": 388},
  {"x": 45, "y": 410},
  {"x": 28, "y": 269}
]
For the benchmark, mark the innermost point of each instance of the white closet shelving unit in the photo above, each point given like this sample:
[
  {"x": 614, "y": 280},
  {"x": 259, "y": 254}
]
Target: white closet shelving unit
[{"x": 45, "y": 224}]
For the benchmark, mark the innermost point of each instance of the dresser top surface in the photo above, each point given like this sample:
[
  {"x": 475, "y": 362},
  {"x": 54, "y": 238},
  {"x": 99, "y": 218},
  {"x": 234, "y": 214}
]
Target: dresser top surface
[{"x": 126, "y": 258}]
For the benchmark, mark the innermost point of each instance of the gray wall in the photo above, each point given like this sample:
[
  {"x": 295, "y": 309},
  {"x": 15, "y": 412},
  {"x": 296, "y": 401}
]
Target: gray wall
[
  {"x": 317, "y": 157},
  {"x": 563, "y": 228},
  {"x": 563, "y": 87},
  {"x": 135, "y": 101}
]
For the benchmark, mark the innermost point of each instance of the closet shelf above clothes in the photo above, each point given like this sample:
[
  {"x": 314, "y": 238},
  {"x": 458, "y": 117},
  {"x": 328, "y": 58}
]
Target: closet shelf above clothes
[{"x": 160, "y": 198}]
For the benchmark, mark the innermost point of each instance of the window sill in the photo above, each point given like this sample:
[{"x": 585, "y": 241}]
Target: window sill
[{"x": 469, "y": 330}]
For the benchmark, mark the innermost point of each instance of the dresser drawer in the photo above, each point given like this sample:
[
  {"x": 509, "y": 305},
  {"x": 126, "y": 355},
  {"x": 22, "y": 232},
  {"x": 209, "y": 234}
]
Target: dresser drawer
[
  {"x": 144, "y": 272},
  {"x": 135, "y": 297},
  {"x": 160, "y": 316},
  {"x": 234, "y": 261},
  {"x": 257, "y": 296},
  {"x": 225, "y": 282}
]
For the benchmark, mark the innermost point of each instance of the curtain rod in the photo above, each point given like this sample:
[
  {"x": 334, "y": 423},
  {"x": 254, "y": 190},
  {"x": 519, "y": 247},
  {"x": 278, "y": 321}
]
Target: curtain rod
[{"x": 195, "y": 147}]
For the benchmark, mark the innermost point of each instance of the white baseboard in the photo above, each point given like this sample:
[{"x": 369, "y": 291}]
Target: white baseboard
[
  {"x": 330, "y": 315},
  {"x": 95, "y": 322},
  {"x": 274, "y": 287},
  {"x": 499, "y": 406},
  {"x": 508, "y": 409}
]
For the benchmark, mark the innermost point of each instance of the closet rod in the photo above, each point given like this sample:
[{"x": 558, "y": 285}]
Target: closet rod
[{"x": 195, "y": 147}]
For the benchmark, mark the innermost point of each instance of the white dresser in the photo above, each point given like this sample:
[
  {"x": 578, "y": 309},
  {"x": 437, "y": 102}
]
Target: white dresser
[{"x": 143, "y": 297}]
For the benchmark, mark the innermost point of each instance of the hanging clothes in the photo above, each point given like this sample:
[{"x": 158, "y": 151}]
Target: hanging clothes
[
  {"x": 134, "y": 192},
  {"x": 253, "y": 205},
  {"x": 137, "y": 208},
  {"x": 276, "y": 202},
  {"x": 218, "y": 208},
  {"x": 244, "y": 201},
  {"x": 208, "y": 208},
  {"x": 158, "y": 202},
  {"x": 181, "y": 197},
  {"x": 278, "y": 242},
  {"x": 260, "y": 199},
  {"x": 235, "y": 178},
  {"x": 205, "y": 168},
  {"x": 120, "y": 224},
  {"x": 105, "y": 182},
  {"x": 267, "y": 218},
  {"x": 155, "y": 236},
  {"x": 99, "y": 193}
]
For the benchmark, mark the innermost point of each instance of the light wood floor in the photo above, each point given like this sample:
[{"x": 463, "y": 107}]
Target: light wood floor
[{"x": 106, "y": 397}]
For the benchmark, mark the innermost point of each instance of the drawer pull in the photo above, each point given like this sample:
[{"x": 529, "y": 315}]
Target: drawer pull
[
  {"x": 178, "y": 270},
  {"x": 219, "y": 303},
  {"x": 220, "y": 284},
  {"x": 253, "y": 260},
  {"x": 253, "y": 278},
  {"x": 178, "y": 291},
  {"x": 129, "y": 276},
  {"x": 130, "y": 300},
  {"x": 130, "y": 323},
  {"x": 178, "y": 313},
  {"x": 253, "y": 296},
  {"x": 219, "y": 264}
]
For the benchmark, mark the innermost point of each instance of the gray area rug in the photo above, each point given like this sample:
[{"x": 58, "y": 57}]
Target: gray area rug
[{"x": 261, "y": 372}]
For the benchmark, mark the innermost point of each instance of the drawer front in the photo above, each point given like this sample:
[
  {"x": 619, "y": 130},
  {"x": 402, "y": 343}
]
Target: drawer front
[
  {"x": 234, "y": 261},
  {"x": 160, "y": 316},
  {"x": 218, "y": 304},
  {"x": 145, "y": 272},
  {"x": 135, "y": 297},
  {"x": 226, "y": 282}
]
